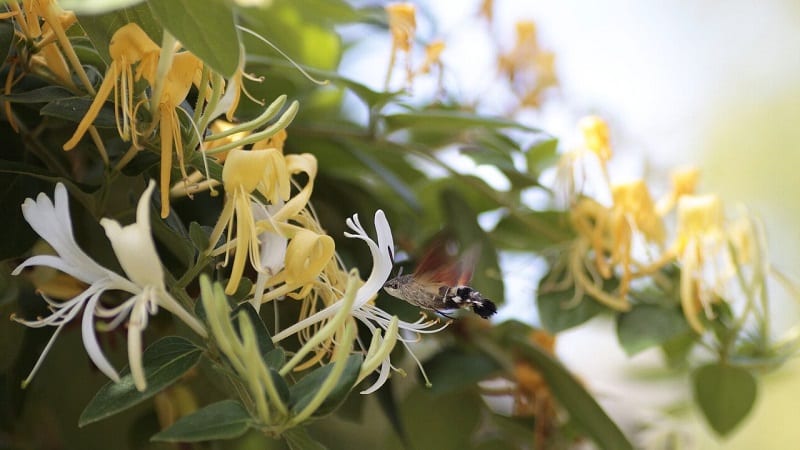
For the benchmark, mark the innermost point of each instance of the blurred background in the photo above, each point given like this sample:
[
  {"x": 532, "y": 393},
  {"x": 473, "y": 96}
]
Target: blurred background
[{"x": 679, "y": 82}]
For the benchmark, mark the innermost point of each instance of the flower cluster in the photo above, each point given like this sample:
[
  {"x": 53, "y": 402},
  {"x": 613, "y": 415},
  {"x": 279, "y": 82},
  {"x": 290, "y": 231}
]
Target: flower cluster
[
  {"x": 266, "y": 228},
  {"x": 622, "y": 234}
]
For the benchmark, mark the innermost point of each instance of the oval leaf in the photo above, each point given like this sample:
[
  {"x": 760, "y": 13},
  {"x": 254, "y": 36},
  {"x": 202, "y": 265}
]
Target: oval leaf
[
  {"x": 646, "y": 326},
  {"x": 305, "y": 389},
  {"x": 455, "y": 369},
  {"x": 206, "y": 28},
  {"x": 557, "y": 313},
  {"x": 164, "y": 363},
  {"x": 725, "y": 394},
  {"x": 222, "y": 420},
  {"x": 74, "y": 108}
]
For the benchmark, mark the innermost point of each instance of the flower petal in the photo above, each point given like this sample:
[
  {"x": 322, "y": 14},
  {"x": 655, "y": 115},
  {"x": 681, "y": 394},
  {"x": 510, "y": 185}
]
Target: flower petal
[{"x": 134, "y": 246}]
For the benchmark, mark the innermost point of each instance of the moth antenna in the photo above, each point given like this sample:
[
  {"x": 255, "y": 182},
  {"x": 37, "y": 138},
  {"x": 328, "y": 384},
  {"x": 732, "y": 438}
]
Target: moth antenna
[{"x": 400, "y": 271}]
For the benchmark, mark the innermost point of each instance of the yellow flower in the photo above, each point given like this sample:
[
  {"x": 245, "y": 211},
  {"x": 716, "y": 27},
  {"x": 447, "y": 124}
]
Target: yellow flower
[
  {"x": 242, "y": 173},
  {"x": 402, "y": 25},
  {"x": 684, "y": 182},
  {"x": 699, "y": 246},
  {"x": 129, "y": 46},
  {"x": 185, "y": 70},
  {"x": 596, "y": 136}
]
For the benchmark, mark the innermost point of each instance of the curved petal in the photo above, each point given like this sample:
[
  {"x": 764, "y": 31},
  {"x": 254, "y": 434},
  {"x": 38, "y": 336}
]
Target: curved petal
[
  {"x": 381, "y": 269},
  {"x": 133, "y": 244},
  {"x": 90, "y": 340},
  {"x": 52, "y": 222}
]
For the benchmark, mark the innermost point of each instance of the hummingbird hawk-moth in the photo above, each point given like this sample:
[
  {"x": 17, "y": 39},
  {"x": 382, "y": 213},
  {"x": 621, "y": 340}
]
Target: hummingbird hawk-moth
[{"x": 440, "y": 284}]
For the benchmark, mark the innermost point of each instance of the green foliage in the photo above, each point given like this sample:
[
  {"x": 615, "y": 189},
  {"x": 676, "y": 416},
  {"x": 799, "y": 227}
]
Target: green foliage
[
  {"x": 647, "y": 326},
  {"x": 206, "y": 28},
  {"x": 304, "y": 390},
  {"x": 374, "y": 149},
  {"x": 570, "y": 393},
  {"x": 165, "y": 362},
  {"x": 222, "y": 420},
  {"x": 725, "y": 394},
  {"x": 561, "y": 310},
  {"x": 456, "y": 368}
]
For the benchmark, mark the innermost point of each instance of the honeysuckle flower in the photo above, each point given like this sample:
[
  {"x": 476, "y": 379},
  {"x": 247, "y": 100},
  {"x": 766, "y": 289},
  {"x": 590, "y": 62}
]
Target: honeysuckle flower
[
  {"x": 243, "y": 173},
  {"x": 402, "y": 25},
  {"x": 363, "y": 308},
  {"x": 185, "y": 69},
  {"x": 701, "y": 249},
  {"x": 129, "y": 46},
  {"x": 136, "y": 253},
  {"x": 596, "y": 136},
  {"x": 684, "y": 182}
]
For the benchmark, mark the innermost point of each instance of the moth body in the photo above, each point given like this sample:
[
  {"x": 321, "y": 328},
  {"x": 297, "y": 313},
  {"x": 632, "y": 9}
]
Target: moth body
[{"x": 439, "y": 297}]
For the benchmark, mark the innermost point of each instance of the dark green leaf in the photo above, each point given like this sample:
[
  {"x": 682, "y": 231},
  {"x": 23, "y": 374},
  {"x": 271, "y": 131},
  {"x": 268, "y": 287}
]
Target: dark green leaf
[
  {"x": 725, "y": 394},
  {"x": 44, "y": 94},
  {"x": 264, "y": 340},
  {"x": 455, "y": 368},
  {"x": 101, "y": 27},
  {"x": 222, "y": 420},
  {"x": 559, "y": 311},
  {"x": 531, "y": 231},
  {"x": 74, "y": 108},
  {"x": 172, "y": 234},
  {"x": 205, "y": 28},
  {"x": 298, "y": 439},
  {"x": 6, "y": 38},
  {"x": 275, "y": 358},
  {"x": 164, "y": 363},
  {"x": 304, "y": 390},
  {"x": 440, "y": 120},
  {"x": 198, "y": 236},
  {"x": 581, "y": 406},
  {"x": 646, "y": 326}
]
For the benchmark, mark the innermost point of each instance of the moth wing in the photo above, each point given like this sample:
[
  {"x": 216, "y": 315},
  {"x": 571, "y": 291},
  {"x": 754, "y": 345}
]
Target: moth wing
[{"x": 440, "y": 267}]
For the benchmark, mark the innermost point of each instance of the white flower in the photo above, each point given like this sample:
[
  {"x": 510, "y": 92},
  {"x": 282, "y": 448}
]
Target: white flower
[
  {"x": 273, "y": 250},
  {"x": 370, "y": 315},
  {"x": 136, "y": 253}
]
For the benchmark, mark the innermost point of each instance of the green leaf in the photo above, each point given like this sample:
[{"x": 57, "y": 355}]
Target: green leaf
[
  {"x": 227, "y": 419},
  {"x": 275, "y": 359},
  {"x": 581, "y": 406},
  {"x": 264, "y": 340},
  {"x": 206, "y": 28},
  {"x": 531, "y": 231},
  {"x": 541, "y": 155},
  {"x": 101, "y": 27},
  {"x": 646, "y": 326},
  {"x": 455, "y": 368},
  {"x": 304, "y": 390},
  {"x": 96, "y": 6},
  {"x": 558, "y": 310},
  {"x": 6, "y": 38},
  {"x": 44, "y": 94},
  {"x": 199, "y": 236},
  {"x": 164, "y": 363},
  {"x": 440, "y": 120},
  {"x": 298, "y": 439},
  {"x": 725, "y": 394},
  {"x": 74, "y": 108}
]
